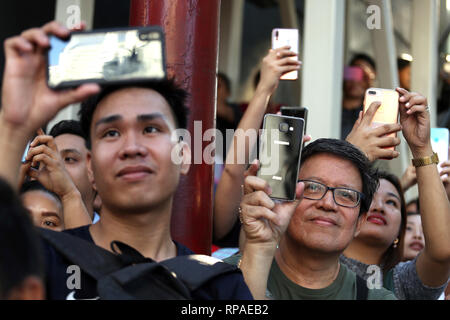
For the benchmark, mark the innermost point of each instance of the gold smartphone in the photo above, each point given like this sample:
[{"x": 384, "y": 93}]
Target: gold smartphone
[
  {"x": 286, "y": 37},
  {"x": 387, "y": 113}
]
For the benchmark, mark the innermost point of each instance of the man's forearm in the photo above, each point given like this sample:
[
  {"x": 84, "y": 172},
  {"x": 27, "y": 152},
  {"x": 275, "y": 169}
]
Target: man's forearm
[
  {"x": 255, "y": 264},
  {"x": 75, "y": 212},
  {"x": 12, "y": 145}
]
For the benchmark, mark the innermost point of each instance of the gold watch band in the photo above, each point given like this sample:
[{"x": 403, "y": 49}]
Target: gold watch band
[{"x": 420, "y": 162}]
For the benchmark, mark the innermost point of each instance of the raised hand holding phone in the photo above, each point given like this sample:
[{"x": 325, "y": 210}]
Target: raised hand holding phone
[
  {"x": 286, "y": 38},
  {"x": 280, "y": 151}
]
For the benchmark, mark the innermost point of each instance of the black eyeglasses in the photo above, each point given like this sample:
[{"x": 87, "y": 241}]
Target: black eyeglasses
[{"x": 342, "y": 196}]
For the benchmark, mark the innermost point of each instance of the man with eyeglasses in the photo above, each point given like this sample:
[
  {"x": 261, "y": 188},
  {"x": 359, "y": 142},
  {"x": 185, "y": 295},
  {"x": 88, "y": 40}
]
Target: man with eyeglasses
[{"x": 300, "y": 259}]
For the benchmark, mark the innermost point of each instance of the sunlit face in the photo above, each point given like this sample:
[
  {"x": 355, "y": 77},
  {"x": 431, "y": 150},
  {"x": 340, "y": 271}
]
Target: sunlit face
[
  {"x": 382, "y": 223},
  {"x": 73, "y": 151},
  {"x": 322, "y": 225},
  {"x": 131, "y": 151},
  {"x": 45, "y": 210},
  {"x": 414, "y": 238}
]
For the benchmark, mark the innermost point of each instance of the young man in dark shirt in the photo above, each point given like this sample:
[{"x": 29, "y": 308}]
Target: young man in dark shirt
[{"x": 130, "y": 133}]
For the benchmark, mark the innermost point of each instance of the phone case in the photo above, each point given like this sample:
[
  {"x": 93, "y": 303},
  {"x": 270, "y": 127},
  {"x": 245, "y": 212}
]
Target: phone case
[
  {"x": 388, "y": 111},
  {"x": 286, "y": 37},
  {"x": 280, "y": 151},
  {"x": 298, "y": 112},
  {"x": 107, "y": 56},
  {"x": 440, "y": 144}
]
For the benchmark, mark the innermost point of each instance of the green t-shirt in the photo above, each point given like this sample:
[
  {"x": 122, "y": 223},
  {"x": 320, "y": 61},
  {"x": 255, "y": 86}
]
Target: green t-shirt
[{"x": 343, "y": 288}]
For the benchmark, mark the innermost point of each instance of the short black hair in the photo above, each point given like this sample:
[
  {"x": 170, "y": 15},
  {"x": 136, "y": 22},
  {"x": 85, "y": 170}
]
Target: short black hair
[
  {"x": 67, "y": 127},
  {"x": 222, "y": 76},
  {"x": 35, "y": 185},
  {"x": 364, "y": 57},
  {"x": 172, "y": 93},
  {"x": 402, "y": 63},
  {"x": 20, "y": 245},
  {"x": 347, "y": 151}
]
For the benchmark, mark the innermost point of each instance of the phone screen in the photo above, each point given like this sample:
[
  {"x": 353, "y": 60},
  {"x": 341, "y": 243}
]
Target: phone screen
[
  {"x": 108, "y": 56},
  {"x": 439, "y": 143},
  {"x": 286, "y": 37},
  {"x": 280, "y": 150}
]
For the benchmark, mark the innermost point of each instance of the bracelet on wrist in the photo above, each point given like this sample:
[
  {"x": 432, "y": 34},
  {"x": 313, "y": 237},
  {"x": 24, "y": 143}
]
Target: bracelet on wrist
[{"x": 420, "y": 162}]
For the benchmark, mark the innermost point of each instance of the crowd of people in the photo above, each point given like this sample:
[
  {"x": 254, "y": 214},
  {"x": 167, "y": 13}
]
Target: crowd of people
[{"x": 102, "y": 189}]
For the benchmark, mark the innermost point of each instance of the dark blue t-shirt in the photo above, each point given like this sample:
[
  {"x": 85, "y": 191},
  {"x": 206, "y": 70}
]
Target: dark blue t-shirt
[{"x": 61, "y": 283}]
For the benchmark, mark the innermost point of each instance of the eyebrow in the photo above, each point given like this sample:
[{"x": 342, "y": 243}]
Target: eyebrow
[
  {"x": 70, "y": 150},
  {"x": 50, "y": 214},
  {"x": 339, "y": 186},
  {"x": 393, "y": 195},
  {"x": 140, "y": 118}
]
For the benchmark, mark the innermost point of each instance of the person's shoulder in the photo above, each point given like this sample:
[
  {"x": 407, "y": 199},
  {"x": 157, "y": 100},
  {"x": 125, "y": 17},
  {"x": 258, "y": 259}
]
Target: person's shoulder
[
  {"x": 80, "y": 232},
  {"x": 381, "y": 294},
  {"x": 182, "y": 250}
]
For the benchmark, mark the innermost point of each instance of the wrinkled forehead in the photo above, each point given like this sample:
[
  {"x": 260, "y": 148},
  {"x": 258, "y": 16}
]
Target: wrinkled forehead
[{"x": 332, "y": 170}]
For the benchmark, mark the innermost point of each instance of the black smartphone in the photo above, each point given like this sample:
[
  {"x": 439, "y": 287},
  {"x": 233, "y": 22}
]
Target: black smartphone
[
  {"x": 107, "y": 56},
  {"x": 298, "y": 112},
  {"x": 279, "y": 155}
]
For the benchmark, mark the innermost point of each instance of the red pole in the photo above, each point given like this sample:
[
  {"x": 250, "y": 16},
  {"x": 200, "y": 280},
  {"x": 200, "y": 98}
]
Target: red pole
[{"x": 192, "y": 32}]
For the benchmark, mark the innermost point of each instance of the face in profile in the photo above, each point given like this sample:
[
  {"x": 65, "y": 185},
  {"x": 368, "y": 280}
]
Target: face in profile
[
  {"x": 414, "y": 238},
  {"x": 45, "y": 210},
  {"x": 382, "y": 223},
  {"x": 323, "y": 225}
]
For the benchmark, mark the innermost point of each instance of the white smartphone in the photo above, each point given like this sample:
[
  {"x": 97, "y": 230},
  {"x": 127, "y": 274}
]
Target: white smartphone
[
  {"x": 439, "y": 143},
  {"x": 286, "y": 37}
]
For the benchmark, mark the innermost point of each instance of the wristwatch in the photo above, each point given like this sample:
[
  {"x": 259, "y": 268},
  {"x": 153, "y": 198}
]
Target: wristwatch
[{"x": 420, "y": 162}]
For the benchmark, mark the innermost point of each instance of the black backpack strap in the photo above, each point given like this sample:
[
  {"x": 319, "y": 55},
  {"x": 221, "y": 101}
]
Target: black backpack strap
[
  {"x": 97, "y": 263},
  {"x": 362, "y": 291},
  {"x": 195, "y": 269}
]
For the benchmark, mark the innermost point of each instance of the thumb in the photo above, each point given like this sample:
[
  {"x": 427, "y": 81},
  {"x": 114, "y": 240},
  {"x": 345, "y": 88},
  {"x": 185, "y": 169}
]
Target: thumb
[
  {"x": 253, "y": 169},
  {"x": 370, "y": 113}
]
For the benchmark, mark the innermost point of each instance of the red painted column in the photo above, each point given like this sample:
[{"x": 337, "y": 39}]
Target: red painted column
[{"x": 192, "y": 32}]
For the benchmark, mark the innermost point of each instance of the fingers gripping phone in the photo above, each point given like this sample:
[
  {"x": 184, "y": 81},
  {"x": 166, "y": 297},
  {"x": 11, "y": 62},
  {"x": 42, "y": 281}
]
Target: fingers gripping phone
[
  {"x": 280, "y": 151},
  {"x": 112, "y": 56},
  {"x": 440, "y": 143},
  {"x": 286, "y": 37},
  {"x": 387, "y": 113}
]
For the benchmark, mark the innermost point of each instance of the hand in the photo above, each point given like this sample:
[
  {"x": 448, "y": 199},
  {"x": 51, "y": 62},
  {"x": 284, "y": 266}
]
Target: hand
[
  {"x": 263, "y": 221},
  {"x": 415, "y": 121},
  {"x": 51, "y": 173},
  {"x": 409, "y": 178},
  {"x": 27, "y": 102},
  {"x": 445, "y": 177},
  {"x": 374, "y": 141},
  {"x": 276, "y": 63}
]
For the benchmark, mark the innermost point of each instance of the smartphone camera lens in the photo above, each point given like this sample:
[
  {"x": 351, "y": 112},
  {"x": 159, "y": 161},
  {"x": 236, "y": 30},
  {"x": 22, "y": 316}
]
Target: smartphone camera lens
[{"x": 284, "y": 127}]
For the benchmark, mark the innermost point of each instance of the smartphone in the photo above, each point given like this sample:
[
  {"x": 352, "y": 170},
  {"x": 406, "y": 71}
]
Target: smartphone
[
  {"x": 286, "y": 37},
  {"x": 107, "y": 56},
  {"x": 298, "y": 112},
  {"x": 25, "y": 153},
  {"x": 440, "y": 144},
  {"x": 352, "y": 73},
  {"x": 279, "y": 154},
  {"x": 388, "y": 111}
]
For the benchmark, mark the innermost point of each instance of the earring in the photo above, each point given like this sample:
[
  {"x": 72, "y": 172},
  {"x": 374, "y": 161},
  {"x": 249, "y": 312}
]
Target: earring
[{"x": 395, "y": 243}]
